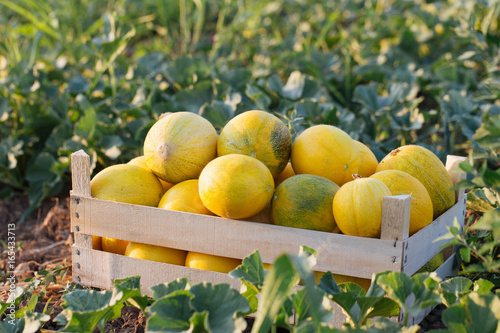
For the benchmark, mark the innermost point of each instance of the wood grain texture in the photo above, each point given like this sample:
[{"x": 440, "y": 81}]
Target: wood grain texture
[
  {"x": 421, "y": 247},
  {"x": 98, "y": 269},
  {"x": 342, "y": 254},
  {"x": 396, "y": 217},
  {"x": 456, "y": 174},
  {"x": 80, "y": 173}
]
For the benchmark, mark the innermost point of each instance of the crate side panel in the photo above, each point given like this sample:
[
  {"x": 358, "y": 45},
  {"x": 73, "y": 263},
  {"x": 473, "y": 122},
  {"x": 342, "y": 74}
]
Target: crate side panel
[
  {"x": 113, "y": 266},
  {"x": 420, "y": 247},
  {"x": 342, "y": 254}
]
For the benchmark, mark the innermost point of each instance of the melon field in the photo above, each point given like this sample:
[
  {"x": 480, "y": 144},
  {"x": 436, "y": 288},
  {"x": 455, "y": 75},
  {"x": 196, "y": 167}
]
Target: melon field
[{"x": 286, "y": 120}]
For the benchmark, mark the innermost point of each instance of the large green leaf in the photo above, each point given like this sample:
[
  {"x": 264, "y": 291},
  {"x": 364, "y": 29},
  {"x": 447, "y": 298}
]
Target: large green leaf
[
  {"x": 251, "y": 270},
  {"x": 476, "y": 313},
  {"x": 164, "y": 289},
  {"x": 171, "y": 313},
  {"x": 223, "y": 304}
]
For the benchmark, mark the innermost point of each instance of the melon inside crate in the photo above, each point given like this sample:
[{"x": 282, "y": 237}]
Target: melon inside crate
[{"x": 340, "y": 254}]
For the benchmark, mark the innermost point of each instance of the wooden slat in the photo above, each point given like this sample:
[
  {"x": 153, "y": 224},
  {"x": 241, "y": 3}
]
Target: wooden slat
[
  {"x": 396, "y": 217},
  {"x": 80, "y": 173},
  {"x": 342, "y": 254},
  {"x": 101, "y": 268},
  {"x": 456, "y": 174},
  {"x": 421, "y": 247}
]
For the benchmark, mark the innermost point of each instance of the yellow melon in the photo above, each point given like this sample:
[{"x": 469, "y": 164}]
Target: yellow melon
[
  {"x": 368, "y": 162},
  {"x": 357, "y": 207},
  {"x": 113, "y": 245},
  {"x": 424, "y": 165},
  {"x": 305, "y": 201},
  {"x": 141, "y": 162},
  {"x": 184, "y": 197},
  {"x": 156, "y": 253},
  {"x": 236, "y": 186},
  {"x": 264, "y": 216},
  {"x": 127, "y": 183},
  {"x": 96, "y": 243},
  {"x": 399, "y": 183},
  {"x": 257, "y": 134},
  {"x": 432, "y": 264},
  {"x": 284, "y": 175},
  {"x": 179, "y": 146},
  {"x": 210, "y": 262},
  {"x": 326, "y": 151}
]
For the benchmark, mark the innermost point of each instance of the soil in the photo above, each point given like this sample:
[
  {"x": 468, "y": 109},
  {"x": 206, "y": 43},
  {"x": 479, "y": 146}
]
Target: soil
[{"x": 46, "y": 243}]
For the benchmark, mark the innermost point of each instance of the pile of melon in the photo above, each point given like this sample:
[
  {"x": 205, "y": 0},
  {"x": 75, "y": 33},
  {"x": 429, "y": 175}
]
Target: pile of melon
[{"x": 252, "y": 171}]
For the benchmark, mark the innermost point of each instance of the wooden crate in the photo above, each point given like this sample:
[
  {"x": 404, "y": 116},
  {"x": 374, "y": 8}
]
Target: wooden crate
[{"x": 340, "y": 254}]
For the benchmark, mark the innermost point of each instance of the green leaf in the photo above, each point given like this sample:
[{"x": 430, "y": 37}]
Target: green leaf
[
  {"x": 195, "y": 98},
  {"x": 126, "y": 288},
  {"x": 164, "y": 289},
  {"x": 237, "y": 77},
  {"x": 170, "y": 313},
  {"x": 483, "y": 286},
  {"x": 453, "y": 289},
  {"x": 400, "y": 287},
  {"x": 85, "y": 127},
  {"x": 488, "y": 134},
  {"x": 489, "y": 221},
  {"x": 328, "y": 285},
  {"x": 476, "y": 313},
  {"x": 278, "y": 284},
  {"x": 251, "y": 271},
  {"x": 33, "y": 321},
  {"x": 199, "y": 323},
  {"x": 303, "y": 309},
  {"x": 224, "y": 305},
  {"x": 84, "y": 310},
  {"x": 12, "y": 325}
]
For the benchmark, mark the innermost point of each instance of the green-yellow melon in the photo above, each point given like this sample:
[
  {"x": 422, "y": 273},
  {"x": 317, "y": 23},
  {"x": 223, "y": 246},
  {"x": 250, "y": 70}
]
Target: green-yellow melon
[
  {"x": 257, "y": 134},
  {"x": 305, "y": 201},
  {"x": 284, "y": 175},
  {"x": 357, "y": 207},
  {"x": 179, "y": 146},
  {"x": 141, "y": 162},
  {"x": 326, "y": 151},
  {"x": 184, "y": 197},
  {"x": 236, "y": 186},
  {"x": 424, "y": 165},
  {"x": 367, "y": 161},
  {"x": 400, "y": 182},
  {"x": 127, "y": 183},
  {"x": 432, "y": 264}
]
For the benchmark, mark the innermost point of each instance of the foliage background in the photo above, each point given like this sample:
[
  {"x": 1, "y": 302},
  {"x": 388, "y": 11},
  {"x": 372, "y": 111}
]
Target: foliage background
[{"x": 95, "y": 75}]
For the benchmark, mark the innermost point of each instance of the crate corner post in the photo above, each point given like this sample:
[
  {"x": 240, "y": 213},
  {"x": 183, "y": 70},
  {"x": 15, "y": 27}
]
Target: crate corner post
[{"x": 80, "y": 178}]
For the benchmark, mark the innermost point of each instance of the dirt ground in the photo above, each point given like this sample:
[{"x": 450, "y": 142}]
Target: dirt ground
[{"x": 46, "y": 243}]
